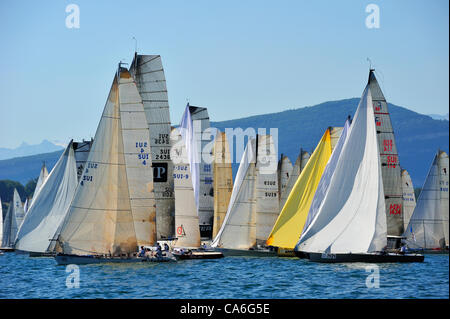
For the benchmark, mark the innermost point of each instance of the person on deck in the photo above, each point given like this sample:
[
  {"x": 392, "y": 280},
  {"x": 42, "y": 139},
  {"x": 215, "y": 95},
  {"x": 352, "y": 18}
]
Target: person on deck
[{"x": 142, "y": 252}]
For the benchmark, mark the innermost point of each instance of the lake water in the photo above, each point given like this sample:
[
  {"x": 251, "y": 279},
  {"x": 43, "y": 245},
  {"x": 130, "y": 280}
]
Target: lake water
[{"x": 230, "y": 277}]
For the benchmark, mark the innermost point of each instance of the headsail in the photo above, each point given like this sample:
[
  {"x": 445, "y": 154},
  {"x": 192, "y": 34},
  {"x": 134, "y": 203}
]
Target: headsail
[
  {"x": 41, "y": 180},
  {"x": 351, "y": 218},
  {"x": 222, "y": 179},
  {"x": 148, "y": 73},
  {"x": 428, "y": 226},
  {"x": 390, "y": 166},
  {"x": 238, "y": 229},
  {"x": 113, "y": 210},
  {"x": 289, "y": 225},
  {"x": 50, "y": 206},
  {"x": 409, "y": 198},
  {"x": 186, "y": 217},
  {"x": 299, "y": 165}
]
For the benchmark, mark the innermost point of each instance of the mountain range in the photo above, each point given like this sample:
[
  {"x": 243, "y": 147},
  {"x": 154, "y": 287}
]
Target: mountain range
[
  {"x": 25, "y": 149},
  {"x": 418, "y": 137}
]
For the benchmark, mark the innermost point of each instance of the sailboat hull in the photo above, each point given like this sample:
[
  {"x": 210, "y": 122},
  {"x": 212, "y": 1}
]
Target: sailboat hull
[
  {"x": 247, "y": 252},
  {"x": 64, "y": 259},
  {"x": 198, "y": 254},
  {"x": 364, "y": 258},
  {"x": 7, "y": 250}
]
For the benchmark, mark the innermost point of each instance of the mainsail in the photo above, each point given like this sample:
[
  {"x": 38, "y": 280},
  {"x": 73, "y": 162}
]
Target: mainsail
[
  {"x": 50, "y": 206},
  {"x": 186, "y": 217},
  {"x": 238, "y": 229},
  {"x": 148, "y": 73},
  {"x": 299, "y": 165},
  {"x": 113, "y": 210},
  {"x": 13, "y": 219},
  {"x": 390, "y": 166},
  {"x": 287, "y": 229},
  {"x": 409, "y": 198},
  {"x": 284, "y": 172},
  {"x": 1, "y": 222},
  {"x": 267, "y": 192},
  {"x": 222, "y": 179},
  {"x": 351, "y": 218},
  {"x": 81, "y": 151},
  {"x": 428, "y": 226}
]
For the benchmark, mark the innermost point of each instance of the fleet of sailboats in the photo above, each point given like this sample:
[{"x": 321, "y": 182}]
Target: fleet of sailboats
[{"x": 141, "y": 182}]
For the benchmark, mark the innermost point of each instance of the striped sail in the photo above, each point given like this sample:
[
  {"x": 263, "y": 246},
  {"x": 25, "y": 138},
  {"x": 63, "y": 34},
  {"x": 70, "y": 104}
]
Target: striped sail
[
  {"x": 390, "y": 166},
  {"x": 186, "y": 217},
  {"x": 409, "y": 198},
  {"x": 299, "y": 165},
  {"x": 222, "y": 179},
  {"x": 428, "y": 225},
  {"x": 148, "y": 73},
  {"x": 113, "y": 210}
]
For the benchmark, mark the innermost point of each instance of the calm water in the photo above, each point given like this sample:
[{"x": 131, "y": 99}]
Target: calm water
[{"x": 231, "y": 277}]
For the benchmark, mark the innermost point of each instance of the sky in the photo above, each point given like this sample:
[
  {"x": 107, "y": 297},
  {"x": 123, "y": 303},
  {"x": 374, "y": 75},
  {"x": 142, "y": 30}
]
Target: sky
[{"x": 237, "y": 58}]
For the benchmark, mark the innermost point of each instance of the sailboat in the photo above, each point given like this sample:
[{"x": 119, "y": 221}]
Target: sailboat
[
  {"x": 81, "y": 151},
  {"x": 427, "y": 229},
  {"x": 299, "y": 165},
  {"x": 350, "y": 224},
  {"x": 284, "y": 172},
  {"x": 409, "y": 198},
  {"x": 222, "y": 180},
  {"x": 1, "y": 222},
  {"x": 390, "y": 165},
  {"x": 187, "y": 244},
  {"x": 50, "y": 206},
  {"x": 148, "y": 73},
  {"x": 113, "y": 209},
  {"x": 253, "y": 206},
  {"x": 13, "y": 219}
]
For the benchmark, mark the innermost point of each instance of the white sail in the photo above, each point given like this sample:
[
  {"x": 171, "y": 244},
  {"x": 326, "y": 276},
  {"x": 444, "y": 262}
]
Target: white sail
[
  {"x": 267, "y": 196},
  {"x": 41, "y": 180},
  {"x": 285, "y": 168},
  {"x": 187, "y": 229},
  {"x": 409, "y": 199},
  {"x": 25, "y": 206},
  {"x": 1, "y": 223},
  {"x": 81, "y": 151},
  {"x": 299, "y": 165},
  {"x": 238, "y": 229},
  {"x": 148, "y": 73},
  {"x": 13, "y": 220},
  {"x": 429, "y": 221},
  {"x": 322, "y": 188},
  {"x": 351, "y": 218},
  {"x": 113, "y": 210},
  {"x": 50, "y": 206}
]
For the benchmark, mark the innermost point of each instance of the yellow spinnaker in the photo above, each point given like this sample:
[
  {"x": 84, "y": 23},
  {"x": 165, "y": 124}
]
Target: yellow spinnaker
[{"x": 289, "y": 225}]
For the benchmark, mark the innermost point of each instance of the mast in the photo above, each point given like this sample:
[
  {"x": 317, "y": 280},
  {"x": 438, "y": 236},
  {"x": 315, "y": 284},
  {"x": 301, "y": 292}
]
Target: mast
[
  {"x": 390, "y": 165},
  {"x": 222, "y": 179},
  {"x": 113, "y": 210},
  {"x": 148, "y": 73}
]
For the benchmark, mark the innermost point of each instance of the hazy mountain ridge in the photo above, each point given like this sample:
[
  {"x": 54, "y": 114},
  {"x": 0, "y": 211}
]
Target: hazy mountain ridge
[
  {"x": 25, "y": 150},
  {"x": 418, "y": 137}
]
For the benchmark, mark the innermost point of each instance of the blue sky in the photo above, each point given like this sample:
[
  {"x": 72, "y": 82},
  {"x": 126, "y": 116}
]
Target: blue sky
[{"x": 238, "y": 58}]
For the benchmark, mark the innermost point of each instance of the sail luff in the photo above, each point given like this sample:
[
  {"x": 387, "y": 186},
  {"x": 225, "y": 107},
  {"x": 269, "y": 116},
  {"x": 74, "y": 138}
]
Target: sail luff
[
  {"x": 148, "y": 73},
  {"x": 222, "y": 180}
]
